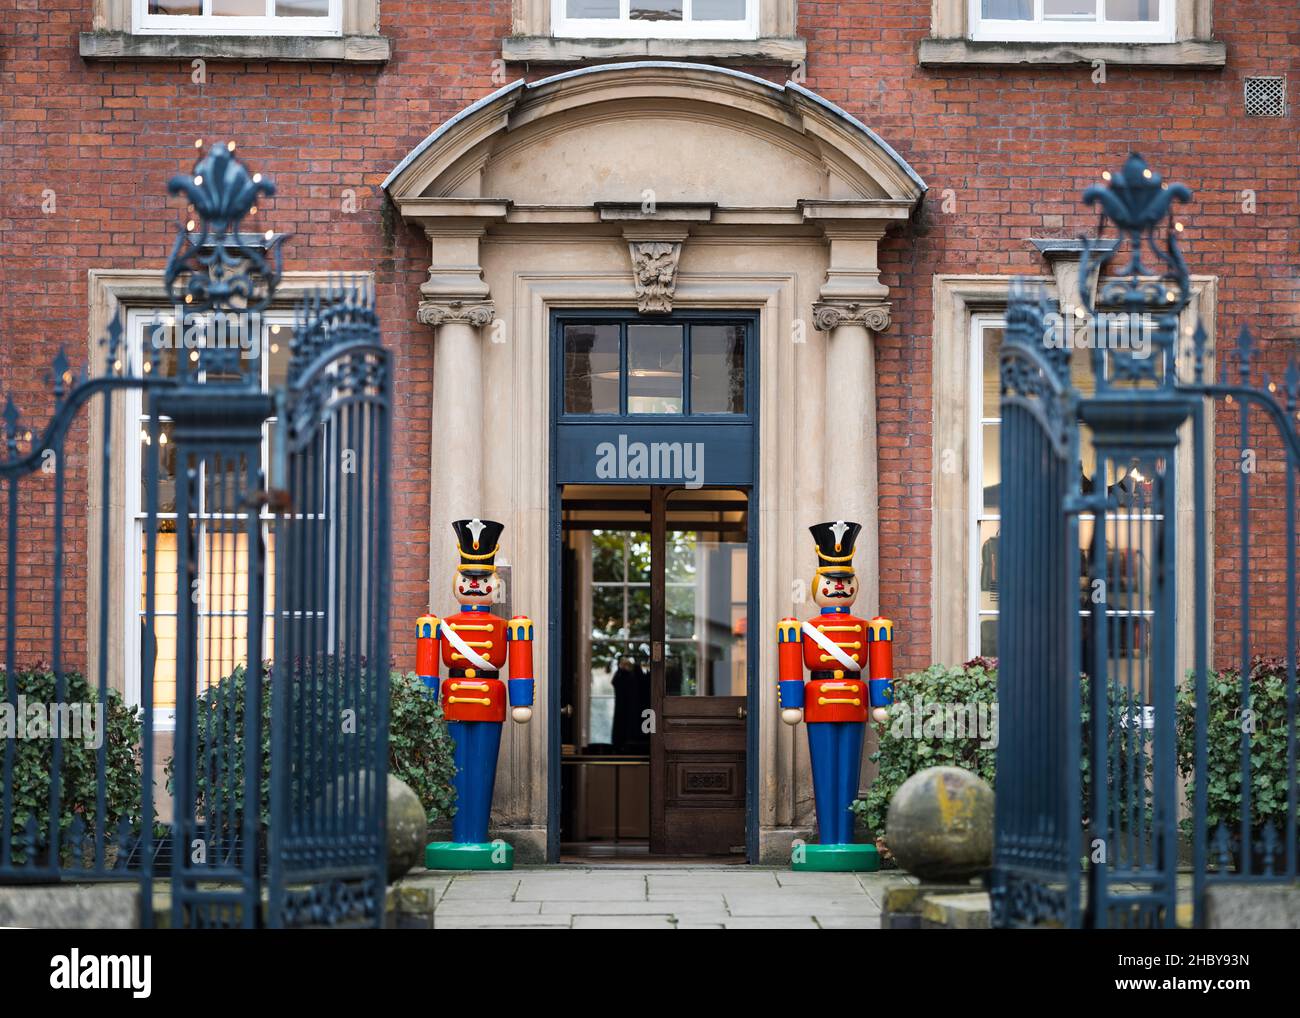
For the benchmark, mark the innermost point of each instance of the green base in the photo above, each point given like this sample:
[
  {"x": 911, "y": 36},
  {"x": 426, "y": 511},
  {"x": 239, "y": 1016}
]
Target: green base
[
  {"x": 836, "y": 858},
  {"x": 456, "y": 855}
]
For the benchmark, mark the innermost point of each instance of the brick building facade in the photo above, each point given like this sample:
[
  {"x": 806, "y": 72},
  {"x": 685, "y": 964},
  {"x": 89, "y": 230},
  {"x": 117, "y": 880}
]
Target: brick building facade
[{"x": 1004, "y": 127}]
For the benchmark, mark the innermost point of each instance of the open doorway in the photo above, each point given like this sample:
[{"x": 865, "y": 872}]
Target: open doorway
[{"x": 654, "y": 671}]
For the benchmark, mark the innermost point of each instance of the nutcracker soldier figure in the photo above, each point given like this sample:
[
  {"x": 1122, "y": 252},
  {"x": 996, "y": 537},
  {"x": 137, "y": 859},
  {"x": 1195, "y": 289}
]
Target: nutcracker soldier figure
[
  {"x": 474, "y": 645},
  {"x": 836, "y": 701}
]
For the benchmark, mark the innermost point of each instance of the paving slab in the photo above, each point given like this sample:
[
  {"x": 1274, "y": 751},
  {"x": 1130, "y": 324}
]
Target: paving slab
[
  {"x": 581, "y": 886},
  {"x": 606, "y": 922},
  {"x": 480, "y": 906},
  {"x": 500, "y": 922}
]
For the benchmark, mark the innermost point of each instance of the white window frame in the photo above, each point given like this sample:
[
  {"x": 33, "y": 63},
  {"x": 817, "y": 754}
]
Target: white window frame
[
  {"x": 138, "y": 322},
  {"x": 1060, "y": 30},
  {"x": 979, "y": 418},
  {"x": 144, "y": 23},
  {"x": 623, "y": 27},
  {"x": 976, "y": 515}
]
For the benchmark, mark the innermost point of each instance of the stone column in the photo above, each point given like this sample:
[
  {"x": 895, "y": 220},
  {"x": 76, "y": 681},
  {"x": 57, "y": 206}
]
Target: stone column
[
  {"x": 457, "y": 304},
  {"x": 850, "y": 458},
  {"x": 456, "y": 460},
  {"x": 852, "y": 307}
]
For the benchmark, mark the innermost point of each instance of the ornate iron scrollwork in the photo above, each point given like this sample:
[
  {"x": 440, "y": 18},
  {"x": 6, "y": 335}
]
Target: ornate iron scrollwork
[
  {"x": 1140, "y": 204},
  {"x": 216, "y": 270}
]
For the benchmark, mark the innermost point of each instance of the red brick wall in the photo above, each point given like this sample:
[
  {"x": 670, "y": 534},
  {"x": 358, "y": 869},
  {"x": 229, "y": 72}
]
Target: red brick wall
[{"x": 1016, "y": 147}]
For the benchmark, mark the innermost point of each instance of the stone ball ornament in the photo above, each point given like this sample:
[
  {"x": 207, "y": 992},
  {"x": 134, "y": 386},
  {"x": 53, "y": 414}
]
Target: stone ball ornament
[
  {"x": 940, "y": 824},
  {"x": 407, "y": 826}
]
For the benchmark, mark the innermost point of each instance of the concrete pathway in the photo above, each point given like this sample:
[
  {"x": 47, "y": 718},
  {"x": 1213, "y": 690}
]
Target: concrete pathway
[{"x": 661, "y": 898}]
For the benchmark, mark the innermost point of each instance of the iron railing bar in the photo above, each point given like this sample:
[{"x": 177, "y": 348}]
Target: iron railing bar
[
  {"x": 60, "y": 682},
  {"x": 1201, "y": 652},
  {"x": 1244, "y": 524}
]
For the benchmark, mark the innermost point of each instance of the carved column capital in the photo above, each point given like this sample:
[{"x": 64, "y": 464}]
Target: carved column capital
[
  {"x": 477, "y": 313},
  {"x": 828, "y": 315}
]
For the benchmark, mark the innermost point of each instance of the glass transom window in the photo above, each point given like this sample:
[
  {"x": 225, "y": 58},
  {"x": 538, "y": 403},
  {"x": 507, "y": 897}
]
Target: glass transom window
[
  {"x": 627, "y": 19},
  {"x": 239, "y": 17},
  {"x": 673, "y": 368},
  {"x": 1072, "y": 20}
]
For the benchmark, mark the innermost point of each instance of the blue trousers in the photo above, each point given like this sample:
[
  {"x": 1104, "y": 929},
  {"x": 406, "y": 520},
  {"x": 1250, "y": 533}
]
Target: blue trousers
[
  {"x": 836, "y": 751},
  {"x": 477, "y": 743}
]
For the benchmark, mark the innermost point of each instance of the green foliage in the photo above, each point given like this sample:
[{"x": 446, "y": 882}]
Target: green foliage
[
  {"x": 33, "y": 761},
  {"x": 419, "y": 746},
  {"x": 902, "y": 753},
  {"x": 1225, "y": 723},
  {"x": 908, "y": 746}
]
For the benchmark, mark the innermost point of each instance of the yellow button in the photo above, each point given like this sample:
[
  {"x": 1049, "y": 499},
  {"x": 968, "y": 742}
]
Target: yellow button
[{"x": 469, "y": 673}]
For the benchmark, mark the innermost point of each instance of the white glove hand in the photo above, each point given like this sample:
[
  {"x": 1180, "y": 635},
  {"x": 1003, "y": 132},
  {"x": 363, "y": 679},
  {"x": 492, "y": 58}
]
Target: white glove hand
[
  {"x": 522, "y": 715},
  {"x": 880, "y": 714},
  {"x": 791, "y": 715}
]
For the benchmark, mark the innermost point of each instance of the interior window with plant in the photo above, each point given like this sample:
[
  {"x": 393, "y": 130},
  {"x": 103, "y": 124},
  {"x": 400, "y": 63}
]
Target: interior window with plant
[
  {"x": 1072, "y": 20},
  {"x": 238, "y": 17},
  {"x": 627, "y": 19}
]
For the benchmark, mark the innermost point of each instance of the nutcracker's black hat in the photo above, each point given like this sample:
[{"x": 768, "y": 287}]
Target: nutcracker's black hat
[
  {"x": 478, "y": 545},
  {"x": 835, "y": 540}
]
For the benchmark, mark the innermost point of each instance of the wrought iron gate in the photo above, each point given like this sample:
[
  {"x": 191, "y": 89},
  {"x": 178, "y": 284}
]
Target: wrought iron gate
[
  {"x": 1138, "y": 618},
  {"x": 1036, "y": 872},
  {"x": 328, "y": 763},
  {"x": 303, "y": 667}
]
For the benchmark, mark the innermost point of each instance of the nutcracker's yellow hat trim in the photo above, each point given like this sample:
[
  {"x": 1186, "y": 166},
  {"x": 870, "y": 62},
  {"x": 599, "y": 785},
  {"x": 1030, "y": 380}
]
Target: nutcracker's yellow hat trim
[{"x": 477, "y": 558}]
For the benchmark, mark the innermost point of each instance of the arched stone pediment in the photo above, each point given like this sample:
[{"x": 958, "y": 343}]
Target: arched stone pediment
[{"x": 662, "y": 132}]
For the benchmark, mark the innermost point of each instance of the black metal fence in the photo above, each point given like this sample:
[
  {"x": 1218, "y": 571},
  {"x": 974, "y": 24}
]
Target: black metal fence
[
  {"x": 1186, "y": 708},
  {"x": 230, "y": 528}
]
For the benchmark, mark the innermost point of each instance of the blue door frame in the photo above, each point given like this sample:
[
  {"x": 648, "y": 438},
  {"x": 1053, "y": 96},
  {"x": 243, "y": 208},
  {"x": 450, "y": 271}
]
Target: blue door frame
[{"x": 735, "y": 436}]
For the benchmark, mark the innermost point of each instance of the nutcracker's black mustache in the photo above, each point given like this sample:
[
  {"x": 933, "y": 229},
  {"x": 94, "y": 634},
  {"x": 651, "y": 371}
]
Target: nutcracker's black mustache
[{"x": 836, "y": 593}]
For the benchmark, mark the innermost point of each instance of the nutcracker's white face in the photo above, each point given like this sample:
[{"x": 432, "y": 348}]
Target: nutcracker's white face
[
  {"x": 835, "y": 591},
  {"x": 475, "y": 589}
]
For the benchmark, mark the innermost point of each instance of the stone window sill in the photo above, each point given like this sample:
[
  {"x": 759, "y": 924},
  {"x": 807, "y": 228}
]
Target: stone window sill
[
  {"x": 959, "y": 52},
  {"x": 549, "y": 50},
  {"x": 362, "y": 49}
]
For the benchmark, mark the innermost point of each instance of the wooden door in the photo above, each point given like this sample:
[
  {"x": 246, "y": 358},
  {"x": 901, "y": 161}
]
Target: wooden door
[{"x": 699, "y": 670}]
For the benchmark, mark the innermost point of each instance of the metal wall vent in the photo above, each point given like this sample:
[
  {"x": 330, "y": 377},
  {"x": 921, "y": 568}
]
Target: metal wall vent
[{"x": 1266, "y": 97}]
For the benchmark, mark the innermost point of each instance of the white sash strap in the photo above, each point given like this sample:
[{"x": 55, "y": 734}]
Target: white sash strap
[
  {"x": 831, "y": 647},
  {"x": 463, "y": 648}
]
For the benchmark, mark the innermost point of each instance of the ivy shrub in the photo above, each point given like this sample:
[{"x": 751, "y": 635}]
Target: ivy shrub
[
  {"x": 908, "y": 745},
  {"x": 33, "y": 765},
  {"x": 1224, "y": 723},
  {"x": 905, "y": 748},
  {"x": 419, "y": 745}
]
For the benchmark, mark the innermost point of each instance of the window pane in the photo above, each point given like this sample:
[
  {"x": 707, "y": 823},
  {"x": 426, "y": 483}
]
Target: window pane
[
  {"x": 592, "y": 8},
  {"x": 166, "y": 466},
  {"x": 1069, "y": 10},
  {"x": 717, "y": 369},
  {"x": 654, "y": 369},
  {"x": 1008, "y": 10},
  {"x": 1132, "y": 10},
  {"x": 591, "y": 369},
  {"x": 992, "y": 468},
  {"x": 992, "y": 341},
  {"x": 656, "y": 10},
  {"x": 277, "y": 356},
  {"x": 301, "y": 8},
  {"x": 718, "y": 10},
  {"x": 175, "y": 7},
  {"x": 990, "y": 563},
  {"x": 239, "y": 8},
  {"x": 989, "y": 637}
]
